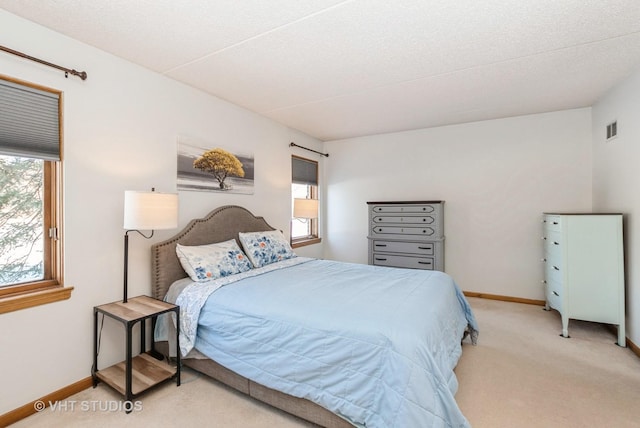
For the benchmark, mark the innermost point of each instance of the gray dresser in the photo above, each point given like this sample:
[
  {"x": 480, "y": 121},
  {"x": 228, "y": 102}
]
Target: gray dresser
[
  {"x": 584, "y": 268},
  {"x": 407, "y": 234}
]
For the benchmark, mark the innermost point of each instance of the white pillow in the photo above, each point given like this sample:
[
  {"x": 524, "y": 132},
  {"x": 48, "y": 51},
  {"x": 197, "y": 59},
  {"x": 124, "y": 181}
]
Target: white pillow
[
  {"x": 207, "y": 262},
  {"x": 267, "y": 247}
]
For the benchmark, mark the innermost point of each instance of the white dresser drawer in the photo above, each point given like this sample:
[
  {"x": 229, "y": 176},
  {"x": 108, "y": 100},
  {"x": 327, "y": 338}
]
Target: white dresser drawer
[
  {"x": 553, "y": 222},
  {"x": 554, "y": 295},
  {"x": 553, "y": 271},
  {"x": 553, "y": 242}
]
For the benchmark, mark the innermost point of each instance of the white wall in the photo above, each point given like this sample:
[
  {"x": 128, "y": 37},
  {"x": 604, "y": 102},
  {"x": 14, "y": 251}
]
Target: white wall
[
  {"x": 616, "y": 175},
  {"x": 496, "y": 178},
  {"x": 121, "y": 126}
]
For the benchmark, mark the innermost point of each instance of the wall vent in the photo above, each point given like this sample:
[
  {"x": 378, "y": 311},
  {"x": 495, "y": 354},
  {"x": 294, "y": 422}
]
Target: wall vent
[{"x": 612, "y": 130}]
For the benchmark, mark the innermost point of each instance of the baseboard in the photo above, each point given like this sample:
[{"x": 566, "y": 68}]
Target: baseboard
[
  {"x": 505, "y": 298},
  {"x": 30, "y": 408},
  {"x": 632, "y": 346}
]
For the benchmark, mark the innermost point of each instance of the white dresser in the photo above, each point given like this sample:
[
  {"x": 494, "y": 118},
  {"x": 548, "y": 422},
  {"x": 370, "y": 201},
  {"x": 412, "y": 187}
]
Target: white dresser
[
  {"x": 584, "y": 268},
  {"x": 407, "y": 234}
]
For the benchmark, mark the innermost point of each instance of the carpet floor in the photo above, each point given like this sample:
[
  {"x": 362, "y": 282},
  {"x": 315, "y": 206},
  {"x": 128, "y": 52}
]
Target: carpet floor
[{"x": 521, "y": 374}]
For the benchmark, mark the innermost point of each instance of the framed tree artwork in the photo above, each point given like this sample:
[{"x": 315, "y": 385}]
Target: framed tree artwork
[{"x": 208, "y": 167}]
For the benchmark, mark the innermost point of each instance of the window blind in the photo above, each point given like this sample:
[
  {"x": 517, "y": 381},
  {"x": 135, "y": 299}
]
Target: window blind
[
  {"x": 304, "y": 171},
  {"x": 29, "y": 121}
]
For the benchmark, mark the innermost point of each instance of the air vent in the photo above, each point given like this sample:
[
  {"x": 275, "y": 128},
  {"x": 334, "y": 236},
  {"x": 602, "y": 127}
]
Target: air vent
[{"x": 612, "y": 130}]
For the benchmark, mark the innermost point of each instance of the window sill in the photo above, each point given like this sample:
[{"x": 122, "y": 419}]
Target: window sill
[
  {"x": 305, "y": 241},
  {"x": 31, "y": 298}
]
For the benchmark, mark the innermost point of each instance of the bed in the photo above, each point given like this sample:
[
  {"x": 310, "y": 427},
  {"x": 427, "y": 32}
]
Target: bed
[{"x": 338, "y": 344}]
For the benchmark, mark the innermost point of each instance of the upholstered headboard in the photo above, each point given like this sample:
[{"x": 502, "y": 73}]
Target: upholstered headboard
[{"x": 219, "y": 225}]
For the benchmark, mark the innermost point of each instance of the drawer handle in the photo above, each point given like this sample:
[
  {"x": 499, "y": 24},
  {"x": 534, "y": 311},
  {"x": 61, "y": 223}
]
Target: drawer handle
[
  {"x": 556, "y": 268},
  {"x": 424, "y": 248},
  {"x": 556, "y": 293},
  {"x": 556, "y": 243},
  {"x": 423, "y": 263},
  {"x": 381, "y": 259},
  {"x": 381, "y": 245},
  {"x": 555, "y": 222}
]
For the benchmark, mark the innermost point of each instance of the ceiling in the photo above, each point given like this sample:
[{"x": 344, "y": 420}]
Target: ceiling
[{"x": 337, "y": 69}]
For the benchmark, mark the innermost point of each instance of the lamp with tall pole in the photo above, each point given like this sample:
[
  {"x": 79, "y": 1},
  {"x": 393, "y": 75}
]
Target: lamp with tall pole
[{"x": 146, "y": 211}]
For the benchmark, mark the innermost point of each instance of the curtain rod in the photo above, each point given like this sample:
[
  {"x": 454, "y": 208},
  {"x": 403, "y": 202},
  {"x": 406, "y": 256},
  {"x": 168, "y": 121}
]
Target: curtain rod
[
  {"x": 67, "y": 71},
  {"x": 311, "y": 150}
]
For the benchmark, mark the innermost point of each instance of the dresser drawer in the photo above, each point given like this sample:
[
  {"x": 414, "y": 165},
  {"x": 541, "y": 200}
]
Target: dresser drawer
[
  {"x": 553, "y": 223},
  {"x": 403, "y": 261},
  {"x": 553, "y": 243},
  {"x": 425, "y": 248},
  {"x": 400, "y": 209},
  {"x": 553, "y": 271},
  {"x": 403, "y": 231},
  {"x": 554, "y": 295},
  {"x": 404, "y": 219}
]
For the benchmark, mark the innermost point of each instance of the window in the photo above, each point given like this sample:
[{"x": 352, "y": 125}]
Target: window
[
  {"x": 31, "y": 256},
  {"x": 304, "y": 185}
]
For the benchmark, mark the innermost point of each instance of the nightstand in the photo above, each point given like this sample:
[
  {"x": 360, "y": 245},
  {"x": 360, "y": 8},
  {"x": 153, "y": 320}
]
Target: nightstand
[{"x": 136, "y": 374}]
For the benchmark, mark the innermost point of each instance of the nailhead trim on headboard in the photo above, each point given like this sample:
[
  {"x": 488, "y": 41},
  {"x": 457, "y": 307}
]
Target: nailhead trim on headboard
[{"x": 219, "y": 225}]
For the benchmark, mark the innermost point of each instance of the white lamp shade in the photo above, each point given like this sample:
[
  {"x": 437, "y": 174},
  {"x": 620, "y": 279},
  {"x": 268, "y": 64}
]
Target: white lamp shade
[
  {"x": 150, "y": 210},
  {"x": 305, "y": 208}
]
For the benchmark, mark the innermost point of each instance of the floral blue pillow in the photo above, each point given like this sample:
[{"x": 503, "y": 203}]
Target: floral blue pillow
[
  {"x": 206, "y": 262},
  {"x": 267, "y": 247}
]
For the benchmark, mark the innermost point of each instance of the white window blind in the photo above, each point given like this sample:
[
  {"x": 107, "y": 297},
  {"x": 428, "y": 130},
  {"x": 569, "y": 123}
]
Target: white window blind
[{"x": 29, "y": 121}]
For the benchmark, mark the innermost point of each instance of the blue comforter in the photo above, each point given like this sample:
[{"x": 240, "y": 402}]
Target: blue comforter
[{"x": 374, "y": 345}]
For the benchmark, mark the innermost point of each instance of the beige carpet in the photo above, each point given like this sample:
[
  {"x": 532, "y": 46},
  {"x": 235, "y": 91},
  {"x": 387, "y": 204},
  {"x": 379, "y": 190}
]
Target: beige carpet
[{"x": 522, "y": 374}]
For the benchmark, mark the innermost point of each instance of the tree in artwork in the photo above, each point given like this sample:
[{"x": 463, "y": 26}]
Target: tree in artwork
[{"x": 221, "y": 164}]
